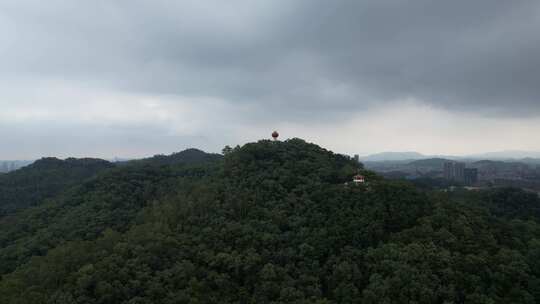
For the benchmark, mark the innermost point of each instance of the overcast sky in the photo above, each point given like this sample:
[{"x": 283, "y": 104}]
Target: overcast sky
[{"x": 109, "y": 78}]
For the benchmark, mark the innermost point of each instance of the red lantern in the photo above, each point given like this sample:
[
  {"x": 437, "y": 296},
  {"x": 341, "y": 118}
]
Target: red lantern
[{"x": 275, "y": 135}]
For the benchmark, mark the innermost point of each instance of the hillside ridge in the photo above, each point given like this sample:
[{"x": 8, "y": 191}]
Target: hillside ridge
[{"x": 270, "y": 222}]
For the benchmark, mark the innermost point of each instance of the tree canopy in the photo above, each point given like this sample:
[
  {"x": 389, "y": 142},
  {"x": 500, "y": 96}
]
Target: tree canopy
[
  {"x": 270, "y": 222},
  {"x": 44, "y": 179}
]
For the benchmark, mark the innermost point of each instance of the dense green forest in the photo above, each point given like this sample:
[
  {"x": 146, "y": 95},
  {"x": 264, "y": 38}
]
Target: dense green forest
[
  {"x": 44, "y": 179},
  {"x": 270, "y": 222}
]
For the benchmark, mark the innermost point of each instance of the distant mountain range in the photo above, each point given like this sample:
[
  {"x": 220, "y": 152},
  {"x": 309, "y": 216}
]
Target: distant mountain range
[
  {"x": 513, "y": 155},
  {"x": 393, "y": 156}
]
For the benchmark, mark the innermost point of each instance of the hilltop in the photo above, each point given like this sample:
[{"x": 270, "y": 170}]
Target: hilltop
[
  {"x": 270, "y": 222},
  {"x": 187, "y": 156},
  {"x": 44, "y": 179},
  {"x": 50, "y": 176}
]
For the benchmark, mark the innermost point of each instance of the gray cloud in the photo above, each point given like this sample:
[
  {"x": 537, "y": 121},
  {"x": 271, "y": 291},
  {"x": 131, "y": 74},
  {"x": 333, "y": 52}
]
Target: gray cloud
[
  {"x": 308, "y": 61},
  {"x": 331, "y": 54}
]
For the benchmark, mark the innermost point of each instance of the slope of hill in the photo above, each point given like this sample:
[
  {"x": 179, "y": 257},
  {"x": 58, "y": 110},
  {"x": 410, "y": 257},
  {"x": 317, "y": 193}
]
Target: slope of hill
[
  {"x": 499, "y": 165},
  {"x": 44, "y": 179},
  {"x": 429, "y": 162},
  {"x": 507, "y": 155},
  {"x": 271, "y": 222},
  {"x": 49, "y": 177}
]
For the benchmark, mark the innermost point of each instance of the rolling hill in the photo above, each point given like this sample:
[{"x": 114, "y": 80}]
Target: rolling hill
[
  {"x": 44, "y": 179},
  {"x": 271, "y": 222}
]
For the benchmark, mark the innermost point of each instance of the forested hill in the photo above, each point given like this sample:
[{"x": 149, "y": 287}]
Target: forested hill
[
  {"x": 271, "y": 222},
  {"x": 44, "y": 179},
  {"x": 190, "y": 156},
  {"x": 49, "y": 177}
]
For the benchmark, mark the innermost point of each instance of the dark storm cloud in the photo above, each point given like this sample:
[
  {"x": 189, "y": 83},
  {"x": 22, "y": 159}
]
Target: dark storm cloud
[
  {"x": 470, "y": 55},
  {"x": 312, "y": 56}
]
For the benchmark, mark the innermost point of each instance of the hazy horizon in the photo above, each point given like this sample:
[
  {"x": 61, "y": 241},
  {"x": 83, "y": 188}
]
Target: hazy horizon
[
  {"x": 515, "y": 154},
  {"x": 133, "y": 79}
]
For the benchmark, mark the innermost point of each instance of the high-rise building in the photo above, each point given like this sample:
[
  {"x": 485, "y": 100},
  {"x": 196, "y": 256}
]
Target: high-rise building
[
  {"x": 470, "y": 176},
  {"x": 454, "y": 171},
  {"x": 459, "y": 172},
  {"x": 356, "y": 158},
  {"x": 448, "y": 170}
]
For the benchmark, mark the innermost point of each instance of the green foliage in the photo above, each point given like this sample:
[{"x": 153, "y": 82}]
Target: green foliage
[
  {"x": 44, "y": 179},
  {"x": 271, "y": 222},
  {"x": 189, "y": 156}
]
